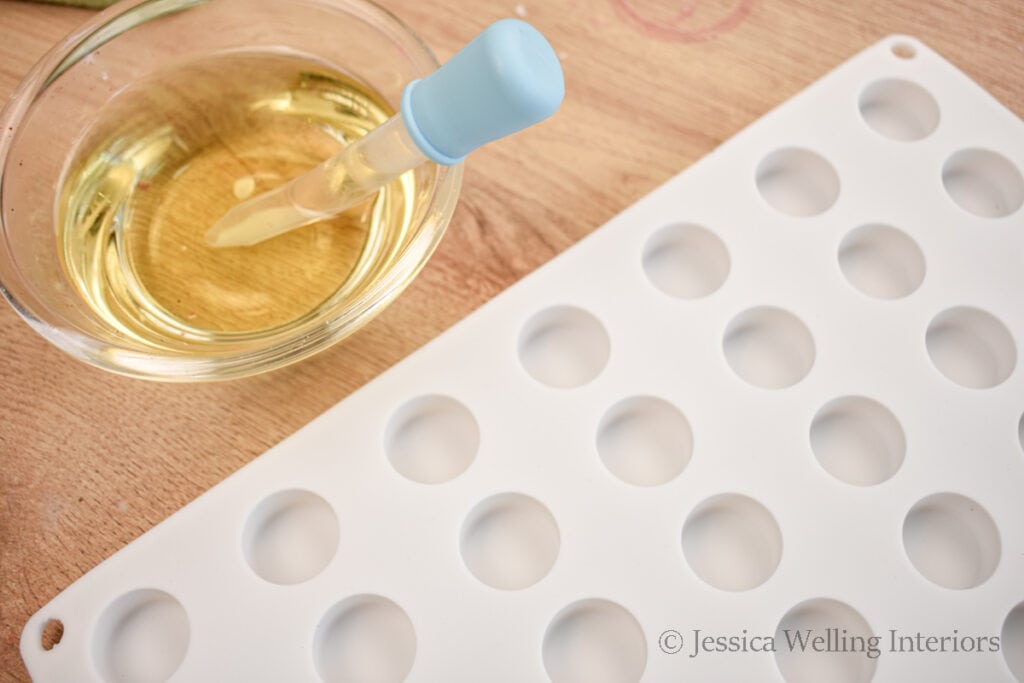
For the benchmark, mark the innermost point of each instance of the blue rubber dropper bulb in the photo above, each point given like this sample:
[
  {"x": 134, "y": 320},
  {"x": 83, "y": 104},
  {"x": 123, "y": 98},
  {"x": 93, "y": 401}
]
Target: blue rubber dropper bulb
[{"x": 504, "y": 80}]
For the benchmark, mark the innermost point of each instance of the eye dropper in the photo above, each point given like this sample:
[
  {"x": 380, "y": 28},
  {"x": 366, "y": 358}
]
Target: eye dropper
[{"x": 504, "y": 80}]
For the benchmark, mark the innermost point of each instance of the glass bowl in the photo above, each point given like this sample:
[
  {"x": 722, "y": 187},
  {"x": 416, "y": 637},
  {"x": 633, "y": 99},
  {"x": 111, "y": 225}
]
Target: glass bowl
[{"x": 52, "y": 110}]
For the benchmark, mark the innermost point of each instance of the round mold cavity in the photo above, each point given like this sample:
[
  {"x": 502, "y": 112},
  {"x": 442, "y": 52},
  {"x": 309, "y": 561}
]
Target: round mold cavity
[
  {"x": 899, "y": 109},
  {"x": 858, "y": 440},
  {"x": 564, "y": 347},
  {"x": 797, "y": 182},
  {"x": 881, "y": 261},
  {"x": 799, "y": 665},
  {"x": 1012, "y": 641},
  {"x": 971, "y": 347},
  {"x": 141, "y": 637},
  {"x": 432, "y": 439},
  {"x": 364, "y": 639},
  {"x": 769, "y": 347},
  {"x": 644, "y": 441},
  {"x": 732, "y": 542},
  {"x": 509, "y": 541},
  {"x": 686, "y": 261},
  {"x": 983, "y": 183},
  {"x": 594, "y": 641},
  {"x": 290, "y": 537},
  {"x": 1020, "y": 432},
  {"x": 951, "y": 540}
]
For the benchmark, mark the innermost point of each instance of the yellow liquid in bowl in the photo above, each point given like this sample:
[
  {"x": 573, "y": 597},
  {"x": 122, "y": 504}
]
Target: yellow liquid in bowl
[{"x": 171, "y": 154}]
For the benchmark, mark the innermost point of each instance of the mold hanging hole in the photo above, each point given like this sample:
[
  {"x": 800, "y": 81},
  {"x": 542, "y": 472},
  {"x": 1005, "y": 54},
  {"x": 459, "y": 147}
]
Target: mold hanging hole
[
  {"x": 51, "y": 633},
  {"x": 903, "y": 50}
]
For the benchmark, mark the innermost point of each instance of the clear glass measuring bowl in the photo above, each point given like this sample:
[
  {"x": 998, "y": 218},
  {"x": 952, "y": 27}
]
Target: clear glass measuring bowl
[{"x": 53, "y": 108}]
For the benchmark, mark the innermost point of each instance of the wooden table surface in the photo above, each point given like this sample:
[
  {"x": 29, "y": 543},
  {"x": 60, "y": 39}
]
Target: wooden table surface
[{"x": 89, "y": 460}]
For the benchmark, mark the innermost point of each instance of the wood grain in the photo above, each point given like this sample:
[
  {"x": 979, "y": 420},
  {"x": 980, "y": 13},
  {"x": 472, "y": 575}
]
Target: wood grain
[{"x": 89, "y": 461}]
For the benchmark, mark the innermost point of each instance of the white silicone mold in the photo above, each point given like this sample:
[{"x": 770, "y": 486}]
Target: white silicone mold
[{"x": 782, "y": 391}]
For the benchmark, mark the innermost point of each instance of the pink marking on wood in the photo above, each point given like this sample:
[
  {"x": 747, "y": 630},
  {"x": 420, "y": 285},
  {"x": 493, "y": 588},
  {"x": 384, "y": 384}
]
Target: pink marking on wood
[
  {"x": 686, "y": 11},
  {"x": 670, "y": 30}
]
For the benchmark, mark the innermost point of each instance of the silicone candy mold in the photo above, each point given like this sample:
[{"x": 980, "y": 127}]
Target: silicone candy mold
[{"x": 781, "y": 392}]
